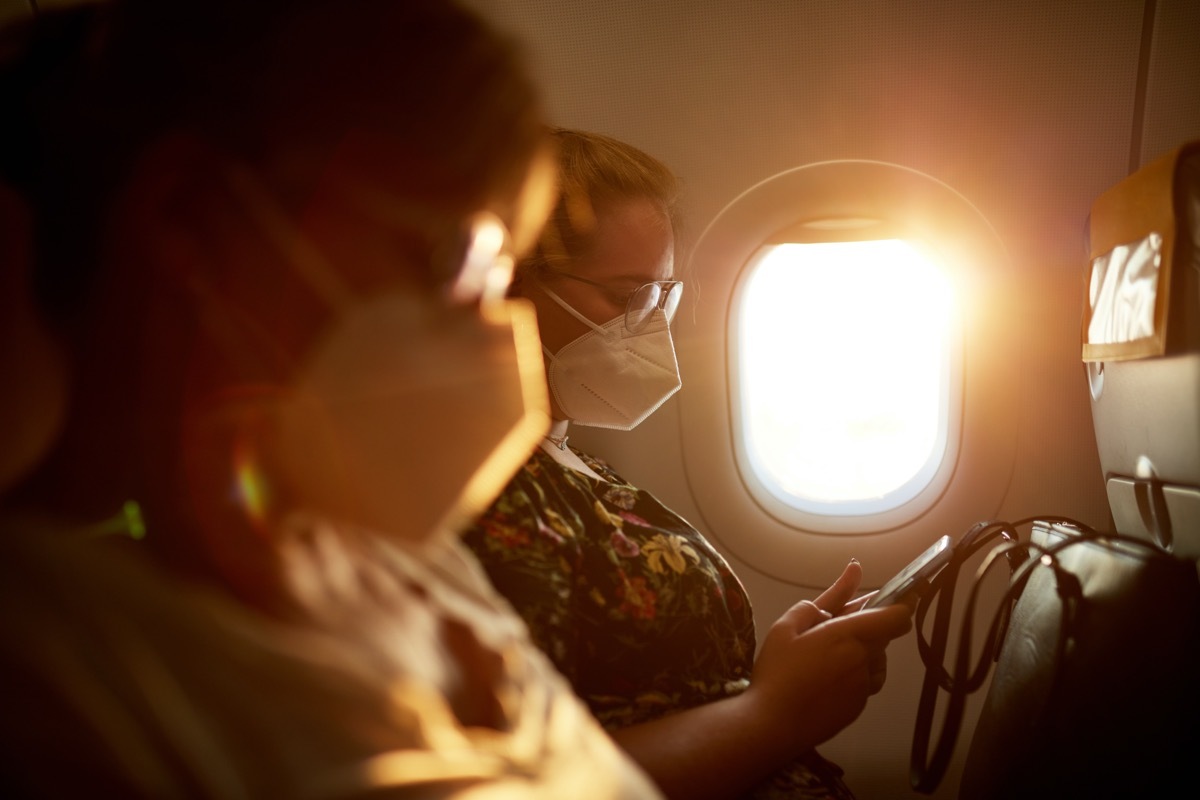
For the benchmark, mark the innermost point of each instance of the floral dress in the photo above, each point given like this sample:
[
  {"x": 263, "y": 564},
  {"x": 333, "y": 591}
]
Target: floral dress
[{"x": 632, "y": 604}]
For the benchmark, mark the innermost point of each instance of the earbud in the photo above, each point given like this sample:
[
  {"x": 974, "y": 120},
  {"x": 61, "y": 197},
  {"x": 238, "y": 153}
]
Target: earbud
[{"x": 128, "y": 521}]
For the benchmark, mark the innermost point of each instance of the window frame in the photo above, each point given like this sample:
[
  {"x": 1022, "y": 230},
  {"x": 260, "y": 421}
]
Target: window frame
[{"x": 783, "y": 543}]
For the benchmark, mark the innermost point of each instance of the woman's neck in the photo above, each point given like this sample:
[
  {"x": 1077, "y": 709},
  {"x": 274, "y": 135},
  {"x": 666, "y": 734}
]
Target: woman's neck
[
  {"x": 554, "y": 444},
  {"x": 557, "y": 435}
]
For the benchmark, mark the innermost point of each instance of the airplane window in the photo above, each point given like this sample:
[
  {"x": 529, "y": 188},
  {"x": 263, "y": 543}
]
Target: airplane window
[
  {"x": 829, "y": 405},
  {"x": 844, "y": 363}
]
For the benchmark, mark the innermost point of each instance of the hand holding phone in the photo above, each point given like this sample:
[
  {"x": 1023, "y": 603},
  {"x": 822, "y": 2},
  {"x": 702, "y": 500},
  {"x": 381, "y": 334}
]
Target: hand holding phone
[{"x": 915, "y": 577}]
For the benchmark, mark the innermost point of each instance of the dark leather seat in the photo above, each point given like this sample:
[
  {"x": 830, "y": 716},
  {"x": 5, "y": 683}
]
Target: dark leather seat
[{"x": 1109, "y": 711}]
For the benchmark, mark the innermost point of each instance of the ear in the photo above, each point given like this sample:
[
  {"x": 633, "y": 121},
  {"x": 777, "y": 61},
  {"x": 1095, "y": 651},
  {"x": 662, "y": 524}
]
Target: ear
[
  {"x": 179, "y": 209},
  {"x": 33, "y": 377}
]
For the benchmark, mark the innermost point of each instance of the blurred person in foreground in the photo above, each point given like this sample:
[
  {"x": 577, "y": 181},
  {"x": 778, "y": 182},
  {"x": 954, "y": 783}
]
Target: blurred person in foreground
[{"x": 253, "y": 259}]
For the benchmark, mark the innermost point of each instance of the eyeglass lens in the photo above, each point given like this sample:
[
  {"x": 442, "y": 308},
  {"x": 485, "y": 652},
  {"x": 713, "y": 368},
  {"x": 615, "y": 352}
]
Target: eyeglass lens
[{"x": 647, "y": 299}]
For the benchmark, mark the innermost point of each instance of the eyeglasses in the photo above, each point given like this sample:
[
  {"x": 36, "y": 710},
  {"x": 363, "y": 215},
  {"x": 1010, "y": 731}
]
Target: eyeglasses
[
  {"x": 642, "y": 302},
  {"x": 484, "y": 264}
]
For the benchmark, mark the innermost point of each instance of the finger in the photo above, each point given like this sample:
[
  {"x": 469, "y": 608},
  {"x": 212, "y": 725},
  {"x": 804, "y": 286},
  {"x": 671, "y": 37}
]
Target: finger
[
  {"x": 842, "y": 591},
  {"x": 804, "y": 615},
  {"x": 877, "y": 625},
  {"x": 857, "y": 603}
]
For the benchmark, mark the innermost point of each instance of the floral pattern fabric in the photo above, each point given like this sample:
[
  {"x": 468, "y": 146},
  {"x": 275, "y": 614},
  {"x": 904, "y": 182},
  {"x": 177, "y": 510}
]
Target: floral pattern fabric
[{"x": 632, "y": 604}]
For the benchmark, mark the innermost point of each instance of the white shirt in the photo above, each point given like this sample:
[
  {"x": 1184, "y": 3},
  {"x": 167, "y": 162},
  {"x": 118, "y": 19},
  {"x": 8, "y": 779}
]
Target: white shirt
[{"x": 410, "y": 674}]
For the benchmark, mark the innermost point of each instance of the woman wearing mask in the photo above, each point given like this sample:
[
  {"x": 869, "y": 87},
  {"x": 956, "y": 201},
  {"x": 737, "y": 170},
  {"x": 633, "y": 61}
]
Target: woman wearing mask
[{"x": 631, "y": 602}]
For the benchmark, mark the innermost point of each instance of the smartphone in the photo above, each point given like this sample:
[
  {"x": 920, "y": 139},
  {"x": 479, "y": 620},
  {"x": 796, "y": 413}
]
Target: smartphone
[{"x": 915, "y": 577}]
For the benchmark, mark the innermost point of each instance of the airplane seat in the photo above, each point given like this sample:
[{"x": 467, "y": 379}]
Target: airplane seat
[
  {"x": 1096, "y": 691},
  {"x": 1141, "y": 342}
]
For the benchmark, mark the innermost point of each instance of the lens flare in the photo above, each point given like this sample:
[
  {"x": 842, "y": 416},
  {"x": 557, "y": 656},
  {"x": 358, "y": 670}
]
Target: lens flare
[{"x": 251, "y": 490}]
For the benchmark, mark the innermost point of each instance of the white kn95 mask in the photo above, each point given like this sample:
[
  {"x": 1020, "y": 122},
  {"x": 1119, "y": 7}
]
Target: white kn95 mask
[{"x": 610, "y": 377}]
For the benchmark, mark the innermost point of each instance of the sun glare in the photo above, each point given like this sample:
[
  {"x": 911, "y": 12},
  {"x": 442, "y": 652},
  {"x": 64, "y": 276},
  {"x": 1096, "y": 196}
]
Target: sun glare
[{"x": 844, "y": 355}]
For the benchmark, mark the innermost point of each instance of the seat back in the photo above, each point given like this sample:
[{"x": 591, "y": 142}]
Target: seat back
[
  {"x": 1094, "y": 693},
  {"x": 1141, "y": 344}
]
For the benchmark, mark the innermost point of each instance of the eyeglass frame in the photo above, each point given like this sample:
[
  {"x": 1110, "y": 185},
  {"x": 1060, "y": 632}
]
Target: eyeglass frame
[
  {"x": 483, "y": 268},
  {"x": 666, "y": 287}
]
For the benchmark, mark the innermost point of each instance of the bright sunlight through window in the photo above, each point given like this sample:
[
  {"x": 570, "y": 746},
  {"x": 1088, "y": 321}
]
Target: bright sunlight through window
[{"x": 845, "y": 368}]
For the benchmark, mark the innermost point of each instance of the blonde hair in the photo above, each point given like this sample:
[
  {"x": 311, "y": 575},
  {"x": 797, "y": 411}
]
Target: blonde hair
[{"x": 595, "y": 172}]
